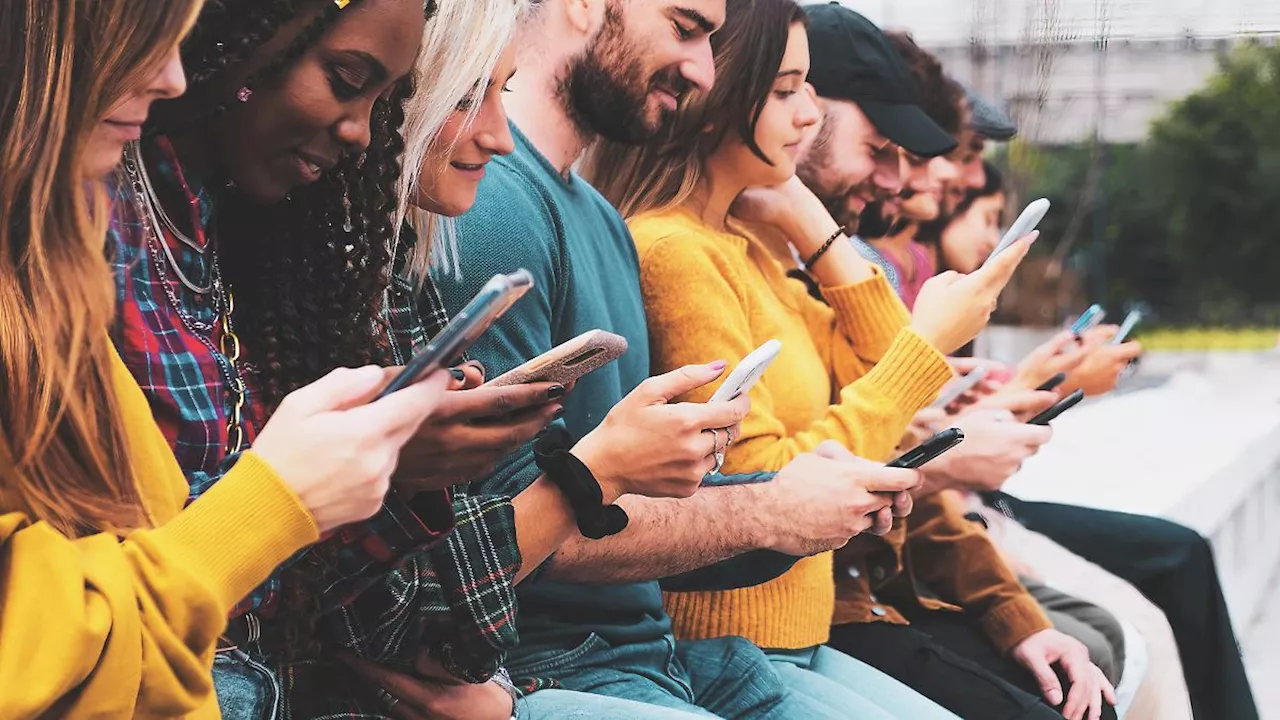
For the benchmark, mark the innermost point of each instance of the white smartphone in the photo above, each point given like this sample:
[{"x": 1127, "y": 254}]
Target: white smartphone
[
  {"x": 1130, "y": 321},
  {"x": 1025, "y": 223},
  {"x": 568, "y": 361},
  {"x": 961, "y": 386},
  {"x": 748, "y": 372}
]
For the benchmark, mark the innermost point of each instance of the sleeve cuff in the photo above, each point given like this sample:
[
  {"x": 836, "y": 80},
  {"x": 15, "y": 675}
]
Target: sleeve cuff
[
  {"x": 236, "y": 534},
  {"x": 911, "y": 373},
  {"x": 1011, "y": 622},
  {"x": 868, "y": 311}
]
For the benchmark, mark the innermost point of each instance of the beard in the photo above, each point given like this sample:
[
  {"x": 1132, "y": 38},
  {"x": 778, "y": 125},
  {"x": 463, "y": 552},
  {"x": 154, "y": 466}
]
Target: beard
[{"x": 606, "y": 89}]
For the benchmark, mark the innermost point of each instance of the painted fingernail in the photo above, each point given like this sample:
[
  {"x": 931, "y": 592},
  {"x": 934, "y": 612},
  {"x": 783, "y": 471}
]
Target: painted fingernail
[
  {"x": 555, "y": 392},
  {"x": 457, "y": 374},
  {"x": 718, "y": 365},
  {"x": 559, "y": 413}
]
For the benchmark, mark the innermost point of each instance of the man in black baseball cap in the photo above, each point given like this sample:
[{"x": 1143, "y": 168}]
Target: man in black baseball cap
[{"x": 871, "y": 109}]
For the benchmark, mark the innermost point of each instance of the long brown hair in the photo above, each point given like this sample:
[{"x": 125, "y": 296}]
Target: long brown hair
[
  {"x": 63, "y": 66},
  {"x": 748, "y": 51}
]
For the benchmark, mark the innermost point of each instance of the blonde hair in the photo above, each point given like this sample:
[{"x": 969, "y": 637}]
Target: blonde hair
[
  {"x": 464, "y": 41},
  {"x": 63, "y": 65}
]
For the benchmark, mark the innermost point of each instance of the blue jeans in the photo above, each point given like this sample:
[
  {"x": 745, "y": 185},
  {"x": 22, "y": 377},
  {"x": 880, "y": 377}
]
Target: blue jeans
[
  {"x": 726, "y": 678},
  {"x": 247, "y": 689},
  {"x": 851, "y": 687}
]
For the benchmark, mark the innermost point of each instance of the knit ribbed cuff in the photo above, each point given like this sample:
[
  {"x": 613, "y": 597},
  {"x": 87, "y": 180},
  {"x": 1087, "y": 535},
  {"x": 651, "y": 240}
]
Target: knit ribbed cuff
[
  {"x": 870, "y": 313},
  {"x": 236, "y": 534},
  {"x": 911, "y": 373},
  {"x": 1011, "y": 622}
]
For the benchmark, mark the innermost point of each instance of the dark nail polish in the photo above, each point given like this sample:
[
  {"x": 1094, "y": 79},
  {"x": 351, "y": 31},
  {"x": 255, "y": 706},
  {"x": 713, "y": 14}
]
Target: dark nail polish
[
  {"x": 559, "y": 413},
  {"x": 555, "y": 392},
  {"x": 457, "y": 374}
]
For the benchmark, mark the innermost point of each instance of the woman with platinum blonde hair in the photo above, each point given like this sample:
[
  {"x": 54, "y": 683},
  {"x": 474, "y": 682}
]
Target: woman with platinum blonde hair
[{"x": 455, "y": 123}]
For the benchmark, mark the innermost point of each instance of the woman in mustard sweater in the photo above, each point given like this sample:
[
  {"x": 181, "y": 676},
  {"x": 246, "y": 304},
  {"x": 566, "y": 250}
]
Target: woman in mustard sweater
[
  {"x": 112, "y": 593},
  {"x": 714, "y": 260}
]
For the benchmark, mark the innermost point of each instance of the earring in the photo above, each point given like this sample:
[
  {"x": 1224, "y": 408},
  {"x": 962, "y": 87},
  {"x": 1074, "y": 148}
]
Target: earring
[
  {"x": 244, "y": 94},
  {"x": 346, "y": 212}
]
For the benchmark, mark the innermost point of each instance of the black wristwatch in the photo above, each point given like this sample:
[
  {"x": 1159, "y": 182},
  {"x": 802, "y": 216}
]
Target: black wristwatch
[{"x": 580, "y": 487}]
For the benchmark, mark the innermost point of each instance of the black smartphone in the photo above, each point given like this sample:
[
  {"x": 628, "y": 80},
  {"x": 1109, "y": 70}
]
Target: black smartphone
[
  {"x": 929, "y": 449},
  {"x": 1058, "y": 408},
  {"x": 495, "y": 298},
  {"x": 1053, "y": 383}
]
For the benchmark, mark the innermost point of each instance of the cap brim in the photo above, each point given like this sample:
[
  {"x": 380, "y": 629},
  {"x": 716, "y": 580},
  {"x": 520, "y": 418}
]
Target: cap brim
[
  {"x": 909, "y": 126},
  {"x": 987, "y": 119}
]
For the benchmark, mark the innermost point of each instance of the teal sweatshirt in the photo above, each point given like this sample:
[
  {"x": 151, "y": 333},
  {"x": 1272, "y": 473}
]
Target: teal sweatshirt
[{"x": 587, "y": 276}]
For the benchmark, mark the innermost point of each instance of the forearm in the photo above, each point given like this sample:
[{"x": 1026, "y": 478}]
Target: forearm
[
  {"x": 544, "y": 522},
  {"x": 669, "y": 537}
]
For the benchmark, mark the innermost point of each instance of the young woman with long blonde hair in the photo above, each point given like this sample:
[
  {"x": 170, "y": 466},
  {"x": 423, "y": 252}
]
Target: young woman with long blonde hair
[{"x": 112, "y": 593}]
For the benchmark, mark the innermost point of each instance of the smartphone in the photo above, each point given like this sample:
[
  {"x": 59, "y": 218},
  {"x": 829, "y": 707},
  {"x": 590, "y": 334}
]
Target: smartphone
[
  {"x": 1052, "y": 383},
  {"x": 495, "y": 298},
  {"x": 1130, "y": 321},
  {"x": 1088, "y": 320},
  {"x": 1060, "y": 407},
  {"x": 1025, "y": 223},
  {"x": 929, "y": 449},
  {"x": 961, "y": 386},
  {"x": 568, "y": 361},
  {"x": 748, "y": 372}
]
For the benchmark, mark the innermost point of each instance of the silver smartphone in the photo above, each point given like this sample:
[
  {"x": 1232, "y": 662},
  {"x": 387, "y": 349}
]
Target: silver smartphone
[
  {"x": 495, "y": 298},
  {"x": 1025, "y": 223}
]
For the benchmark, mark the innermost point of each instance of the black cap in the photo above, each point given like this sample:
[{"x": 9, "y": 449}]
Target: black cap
[
  {"x": 988, "y": 119},
  {"x": 852, "y": 59}
]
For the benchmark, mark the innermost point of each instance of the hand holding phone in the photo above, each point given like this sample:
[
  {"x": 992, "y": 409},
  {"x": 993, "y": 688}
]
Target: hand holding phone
[
  {"x": 1057, "y": 409},
  {"x": 495, "y": 298},
  {"x": 744, "y": 377},
  {"x": 1025, "y": 223}
]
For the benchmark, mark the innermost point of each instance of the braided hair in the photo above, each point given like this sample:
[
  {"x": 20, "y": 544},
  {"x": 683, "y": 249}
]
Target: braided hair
[{"x": 310, "y": 273}]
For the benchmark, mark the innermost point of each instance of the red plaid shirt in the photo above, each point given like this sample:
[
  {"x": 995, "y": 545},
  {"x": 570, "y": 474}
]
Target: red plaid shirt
[{"x": 169, "y": 337}]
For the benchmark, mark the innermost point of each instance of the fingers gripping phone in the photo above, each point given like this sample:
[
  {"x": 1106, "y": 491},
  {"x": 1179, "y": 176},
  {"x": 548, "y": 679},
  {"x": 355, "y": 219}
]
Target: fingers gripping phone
[
  {"x": 744, "y": 376},
  {"x": 1025, "y": 223},
  {"x": 568, "y": 361},
  {"x": 929, "y": 450},
  {"x": 1058, "y": 408},
  {"x": 961, "y": 386},
  {"x": 1130, "y": 322},
  {"x": 495, "y": 298},
  {"x": 1088, "y": 320}
]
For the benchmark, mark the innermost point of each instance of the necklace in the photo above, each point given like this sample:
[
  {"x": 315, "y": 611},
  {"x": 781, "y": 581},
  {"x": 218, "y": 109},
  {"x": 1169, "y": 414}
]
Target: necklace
[
  {"x": 228, "y": 351},
  {"x": 154, "y": 200},
  {"x": 146, "y": 199}
]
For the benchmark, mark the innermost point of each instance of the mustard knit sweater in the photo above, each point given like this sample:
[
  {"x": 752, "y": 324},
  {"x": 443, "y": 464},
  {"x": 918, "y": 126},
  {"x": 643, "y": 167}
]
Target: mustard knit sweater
[
  {"x": 850, "y": 371},
  {"x": 110, "y": 627}
]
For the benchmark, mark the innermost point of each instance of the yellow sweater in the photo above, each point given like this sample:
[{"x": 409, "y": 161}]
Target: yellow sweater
[
  {"x": 850, "y": 371},
  {"x": 105, "y": 627}
]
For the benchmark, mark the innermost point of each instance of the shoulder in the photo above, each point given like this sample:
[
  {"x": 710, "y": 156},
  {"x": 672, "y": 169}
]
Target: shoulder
[{"x": 673, "y": 239}]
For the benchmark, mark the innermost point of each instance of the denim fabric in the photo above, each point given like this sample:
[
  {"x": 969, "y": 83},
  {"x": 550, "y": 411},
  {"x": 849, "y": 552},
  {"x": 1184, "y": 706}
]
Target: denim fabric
[
  {"x": 850, "y": 687},
  {"x": 246, "y": 689},
  {"x": 726, "y": 677},
  {"x": 569, "y": 705}
]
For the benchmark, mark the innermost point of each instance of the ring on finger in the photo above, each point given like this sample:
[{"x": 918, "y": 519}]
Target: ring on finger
[
  {"x": 388, "y": 700},
  {"x": 716, "y": 451}
]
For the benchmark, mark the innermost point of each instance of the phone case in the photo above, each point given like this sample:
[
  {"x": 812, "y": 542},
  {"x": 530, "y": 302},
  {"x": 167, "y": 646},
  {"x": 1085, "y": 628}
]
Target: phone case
[{"x": 567, "y": 362}]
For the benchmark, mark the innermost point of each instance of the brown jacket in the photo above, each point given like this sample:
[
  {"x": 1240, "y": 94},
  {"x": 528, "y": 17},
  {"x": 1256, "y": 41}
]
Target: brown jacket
[{"x": 941, "y": 561}]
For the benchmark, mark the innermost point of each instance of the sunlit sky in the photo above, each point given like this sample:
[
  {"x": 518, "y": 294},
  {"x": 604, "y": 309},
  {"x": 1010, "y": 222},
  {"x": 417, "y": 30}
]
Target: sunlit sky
[{"x": 946, "y": 22}]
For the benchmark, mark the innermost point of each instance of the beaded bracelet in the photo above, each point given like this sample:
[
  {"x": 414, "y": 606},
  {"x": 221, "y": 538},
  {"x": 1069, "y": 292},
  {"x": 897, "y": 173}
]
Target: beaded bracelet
[{"x": 814, "y": 258}]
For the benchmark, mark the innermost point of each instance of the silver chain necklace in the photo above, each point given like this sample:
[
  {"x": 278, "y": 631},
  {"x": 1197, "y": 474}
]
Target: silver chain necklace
[{"x": 147, "y": 202}]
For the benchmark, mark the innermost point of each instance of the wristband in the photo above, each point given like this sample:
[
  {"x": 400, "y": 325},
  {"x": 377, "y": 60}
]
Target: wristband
[
  {"x": 595, "y": 519},
  {"x": 814, "y": 258}
]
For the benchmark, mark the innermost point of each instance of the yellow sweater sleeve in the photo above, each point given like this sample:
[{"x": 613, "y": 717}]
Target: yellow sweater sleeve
[
  {"x": 112, "y": 627},
  {"x": 698, "y": 297}
]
